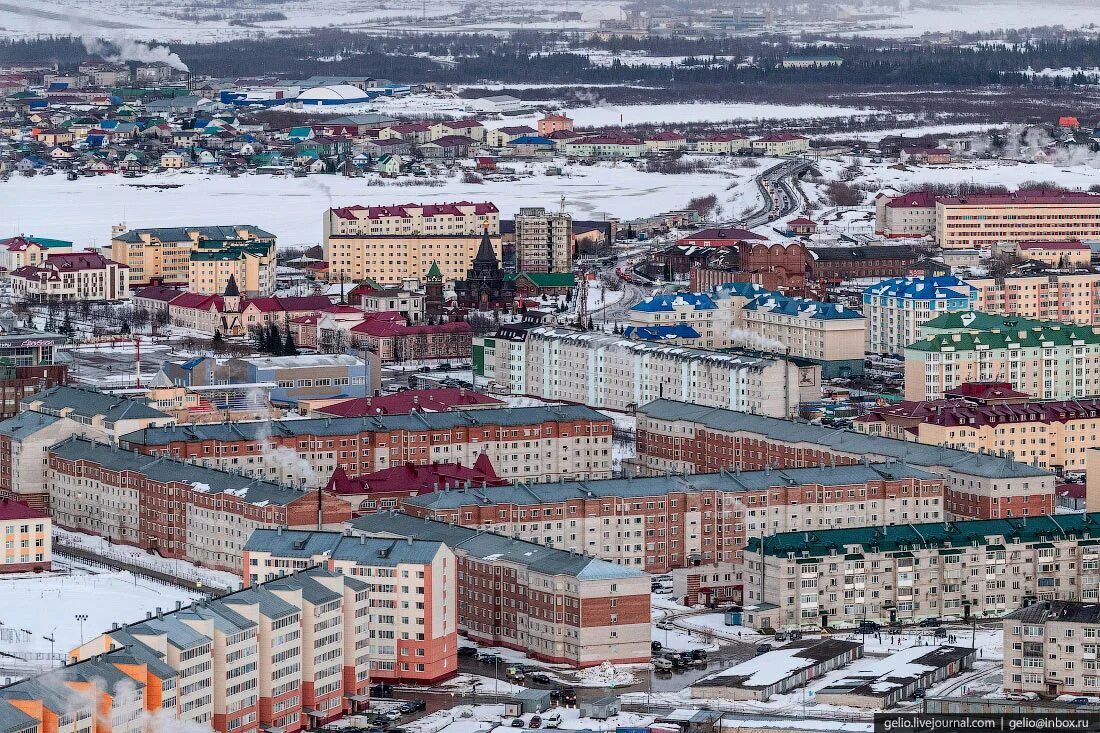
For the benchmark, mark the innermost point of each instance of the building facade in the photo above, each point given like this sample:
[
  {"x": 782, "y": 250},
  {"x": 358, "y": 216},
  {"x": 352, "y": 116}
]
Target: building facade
[
  {"x": 71, "y": 277},
  {"x": 163, "y": 254},
  {"x": 962, "y": 570},
  {"x": 412, "y": 611},
  {"x": 525, "y": 444},
  {"x": 544, "y": 241},
  {"x": 983, "y": 220},
  {"x": 679, "y": 437},
  {"x": 391, "y": 243},
  {"x": 27, "y": 534},
  {"x": 660, "y": 523},
  {"x": 1050, "y": 648},
  {"x": 897, "y": 308},
  {"x": 1050, "y": 297},
  {"x": 555, "y": 605}
]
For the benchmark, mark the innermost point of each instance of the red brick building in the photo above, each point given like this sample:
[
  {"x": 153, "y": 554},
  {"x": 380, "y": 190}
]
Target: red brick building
[{"x": 394, "y": 341}]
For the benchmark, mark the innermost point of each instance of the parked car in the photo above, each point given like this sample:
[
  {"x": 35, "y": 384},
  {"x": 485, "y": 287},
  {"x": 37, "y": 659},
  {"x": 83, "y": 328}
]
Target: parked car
[
  {"x": 763, "y": 648},
  {"x": 488, "y": 658},
  {"x": 655, "y": 646},
  {"x": 381, "y": 690},
  {"x": 781, "y": 636},
  {"x": 796, "y": 635},
  {"x": 940, "y": 633},
  {"x": 392, "y": 715},
  {"x": 517, "y": 722},
  {"x": 467, "y": 651},
  {"x": 413, "y": 706},
  {"x": 869, "y": 627},
  {"x": 699, "y": 655},
  {"x": 553, "y": 720},
  {"x": 660, "y": 664},
  {"x": 918, "y": 694},
  {"x": 534, "y": 722},
  {"x": 931, "y": 623},
  {"x": 541, "y": 677}
]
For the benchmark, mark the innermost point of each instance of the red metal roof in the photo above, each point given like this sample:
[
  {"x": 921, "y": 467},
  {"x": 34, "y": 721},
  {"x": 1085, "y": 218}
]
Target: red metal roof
[
  {"x": 719, "y": 236},
  {"x": 1069, "y": 245},
  {"x": 913, "y": 200},
  {"x": 442, "y": 399},
  {"x": 386, "y": 328},
  {"x": 413, "y": 479},
  {"x": 12, "y": 509}
]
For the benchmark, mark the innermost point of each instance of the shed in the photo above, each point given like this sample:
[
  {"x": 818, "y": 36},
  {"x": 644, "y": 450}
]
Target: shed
[
  {"x": 527, "y": 701},
  {"x": 601, "y": 708}
]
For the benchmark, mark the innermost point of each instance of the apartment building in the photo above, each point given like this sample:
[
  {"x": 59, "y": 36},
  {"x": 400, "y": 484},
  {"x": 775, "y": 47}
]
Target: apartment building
[
  {"x": 984, "y": 220},
  {"x": 1051, "y": 435},
  {"x": 163, "y": 254},
  {"x": 176, "y": 509},
  {"x": 212, "y": 266},
  {"x": 28, "y": 364},
  {"x": 826, "y": 334},
  {"x": 391, "y": 243},
  {"x": 980, "y": 221},
  {"x": 544, "y": 240},
  {"x": 411, "y": 636},
  {"x": 1049, "y": 297},
  {"x": 1068, "y": 254},
  {"x": 27, "y": 537},
  {"x": 52, "y": 416},
  {"x": 781, "y": 143},
  {"x": 1050, "y": 648},
  {"x": 966, "y": 570},
  {"x": 529, "y": 444},
  {"x": 288, "y": 654},
  {"x": 896, "y": 309},
  {"x": 679, "y": 437},
  {"x": 20, "y": 251},
  {"x": 557, "y": 606},
  {"x": 665, "y": 522},
  {"x": 70, "y": 277},
  {"x": 1045, "y": 359},
  {"x": 907, "y": 215},
  {"x": 606, "y": 371}
]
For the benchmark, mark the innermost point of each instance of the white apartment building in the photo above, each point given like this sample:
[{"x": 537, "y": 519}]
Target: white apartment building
[
  {"x": 459, "y": 218},
  {"x": 896, "y": 309},
  {"x": 1051, "y": 648},
  {"x": 972, "y": 569},
  {"x": 71, "y": 277},
  {"x": 907, "y": 215},
  {"x": 607, "y": 371}
]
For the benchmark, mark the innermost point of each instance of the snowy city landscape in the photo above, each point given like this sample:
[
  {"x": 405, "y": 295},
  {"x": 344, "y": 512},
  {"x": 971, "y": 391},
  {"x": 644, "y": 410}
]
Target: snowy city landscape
[{"x": 632, "y": 366}]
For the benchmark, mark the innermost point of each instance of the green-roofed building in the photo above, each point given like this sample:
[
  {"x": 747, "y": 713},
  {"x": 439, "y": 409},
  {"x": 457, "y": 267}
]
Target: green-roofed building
[
  {"x": 1047, "y": 360},
  {"x": 909, "y": 572},
  {"x": 534, "y": 284}
]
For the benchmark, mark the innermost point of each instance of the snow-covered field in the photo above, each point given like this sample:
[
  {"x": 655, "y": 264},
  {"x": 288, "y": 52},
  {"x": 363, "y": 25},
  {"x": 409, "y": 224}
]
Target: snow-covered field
[
  {"x": 84, "y": 211},
  {"x": 988, "y": 15},
  {"x": 34, "y": 607}
]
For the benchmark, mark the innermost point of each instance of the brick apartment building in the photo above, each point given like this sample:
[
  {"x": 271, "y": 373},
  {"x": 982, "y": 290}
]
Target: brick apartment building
[
  {"x": 971, "y": 569},
  {"x": 556, "y": 605},
  {"x": 681, "y": 437},
  {"x": 1073, "y": 298},
  {"x": 176, "y": 509},
  {"x": 534, "y": 444},
  {"x": 660, "y": 523},
  {"x": 413, "y": 637},
  {"x": 287, "y": 655}
]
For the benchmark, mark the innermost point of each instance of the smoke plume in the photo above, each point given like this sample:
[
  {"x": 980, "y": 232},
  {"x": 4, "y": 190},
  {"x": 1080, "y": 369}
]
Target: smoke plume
[{"x": 127, "y": 49}]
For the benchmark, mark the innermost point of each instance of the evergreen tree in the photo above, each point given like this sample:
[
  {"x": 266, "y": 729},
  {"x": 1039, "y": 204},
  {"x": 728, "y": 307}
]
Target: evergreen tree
[
  {"x": 218, "y": 341},
  {"x": 289, "y": 347},
  {"x": 273, "y": 344}
]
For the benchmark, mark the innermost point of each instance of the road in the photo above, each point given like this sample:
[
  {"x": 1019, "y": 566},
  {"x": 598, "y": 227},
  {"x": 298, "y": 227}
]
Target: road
[{"x": 781, "y": 195}]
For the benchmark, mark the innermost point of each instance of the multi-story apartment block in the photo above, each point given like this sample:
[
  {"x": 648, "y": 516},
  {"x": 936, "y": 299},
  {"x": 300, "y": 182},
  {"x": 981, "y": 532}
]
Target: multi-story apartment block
[
  {"x": 163, "y": 255},
  {"x": 908, "y": 215},
  {"x": 288, "y": 654},
  {"x": 391, "y": 243},
  {"x": 52, "y": 416},
  {"x": 907, "y": 572},
  {"x": 666, "y": 522},
  {"x": 1049, "y": 297},
  {"x": 213, "y": 265},
  {"x": 72, "y": 276},
  {"x": 1051, "y": 435},
  {"x": 555, "y": 605},
  {"x": 27, "y": 538},
  {"x": 781, "y": 143},
  {"x": 609, "y": 372},
  {"x": 1050, "y": 648},
  {"x": 410, "y": 623},
  {"x": 984, "y": 220},
  {"x": 897, "y": 308},
  {"x": 525, "y": 444},
  {"x": 824, "y": 333},
  {"x": 1045, "y": 359},
  {"x": 174, "y": 508},
  {"x": 21, "y": 251},
  {"x": 1066, "y": 255},
  {"x": 544, "y": 241},
  {"x": 679, "y": 437}
]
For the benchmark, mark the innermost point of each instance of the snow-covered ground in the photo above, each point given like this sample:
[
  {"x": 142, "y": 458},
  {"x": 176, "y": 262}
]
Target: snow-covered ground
[
  {"x": 987, "y": 15},
  {"x": 84, "y": 211},
  {"x": 34, "y": 607},
  {"x": 473, "y": 719},
  {"x": 606, "y": 115}
]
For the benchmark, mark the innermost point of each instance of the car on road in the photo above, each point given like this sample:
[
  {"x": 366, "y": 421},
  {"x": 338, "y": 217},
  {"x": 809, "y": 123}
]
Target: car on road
[
  {"x": 541, "y": 677},
  {"x": 517, "y": 722},
  {"x": 763, "y": 648},
  {"x": 660, "y": 664},
  {"x": 392, "y": 715},
  {"x": 655, "y": 646},
  {"x": 488, "y": 658},
  {"x": 467, "y": 651},
  {"x": 413, "y": 706},
  {"x": 569, "y": 697},
  {"x": 869, "y": 627},
  {"x": 931, "y": 623},
  {"x": 699, "y": 655},
  {"x": 664, "y": 625},
  {"x": 534, "y": 722}
]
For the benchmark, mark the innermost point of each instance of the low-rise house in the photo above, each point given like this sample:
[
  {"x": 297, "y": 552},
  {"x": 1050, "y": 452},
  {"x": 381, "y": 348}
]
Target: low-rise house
[
  {"x": 448, "y": 147},
  {"x": 665, "y": 141},
  {"x": 723, "y": 143},
  {"x": 781, "y": 143},
  {"x": 605, "y": 146},
  {"x": 778, "y": 671}
]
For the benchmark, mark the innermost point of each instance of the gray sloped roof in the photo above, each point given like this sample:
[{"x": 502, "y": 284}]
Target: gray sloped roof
[
  {"x": 493, "y": 546},
  {"x": 12, "y": 719},
  {"x": 270, "y": 605},
  {"x": 209, "y": 480},
  {"x": 304, "y": 544},
  {"x": 504, "y": 416},
  {"x": 90, "y": 403},
  {"x": 658, "y": 485},
  {"x": 879, "y": 448},
  {"x": 26, "y": 423}
]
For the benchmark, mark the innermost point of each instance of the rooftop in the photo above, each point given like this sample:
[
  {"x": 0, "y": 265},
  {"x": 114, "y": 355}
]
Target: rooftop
[
  {"x": 305, "y": 544},
  {"x": 64, "y": 400}
]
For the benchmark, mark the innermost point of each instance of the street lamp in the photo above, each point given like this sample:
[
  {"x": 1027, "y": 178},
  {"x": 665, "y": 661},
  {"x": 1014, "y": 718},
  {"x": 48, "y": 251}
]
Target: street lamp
[
  {"x": 51, "y": 638},
  {"x": 81, "y": 618}
]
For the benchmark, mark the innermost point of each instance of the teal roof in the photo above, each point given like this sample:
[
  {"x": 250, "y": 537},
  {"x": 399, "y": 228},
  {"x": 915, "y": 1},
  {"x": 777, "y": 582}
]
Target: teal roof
[{"x": 904, "y": 537}]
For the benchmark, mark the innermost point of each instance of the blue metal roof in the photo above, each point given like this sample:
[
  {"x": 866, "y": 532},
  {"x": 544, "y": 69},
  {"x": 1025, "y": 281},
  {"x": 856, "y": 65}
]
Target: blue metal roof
[
  {"x": 662, "y": 303},
  {"x": 531, "y": 140},
  {"x": 801, "y": 307},
  {"x": 661, "y": 333},
  {"x": 942, "y": 287}
]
